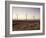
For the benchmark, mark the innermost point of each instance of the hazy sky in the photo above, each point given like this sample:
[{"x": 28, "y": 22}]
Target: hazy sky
[{"x": 21, "y": 12}]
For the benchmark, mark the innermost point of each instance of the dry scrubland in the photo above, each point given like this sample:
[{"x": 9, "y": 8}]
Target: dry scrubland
[{"x": 21, "y": 25}]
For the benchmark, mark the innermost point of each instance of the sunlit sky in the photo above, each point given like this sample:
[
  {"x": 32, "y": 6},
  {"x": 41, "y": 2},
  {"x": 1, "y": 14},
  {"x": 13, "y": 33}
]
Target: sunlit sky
[{"x": 20, "y": 13}]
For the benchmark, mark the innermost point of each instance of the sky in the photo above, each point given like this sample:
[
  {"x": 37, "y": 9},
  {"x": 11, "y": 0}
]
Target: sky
[{"x": 20, "y": 13}]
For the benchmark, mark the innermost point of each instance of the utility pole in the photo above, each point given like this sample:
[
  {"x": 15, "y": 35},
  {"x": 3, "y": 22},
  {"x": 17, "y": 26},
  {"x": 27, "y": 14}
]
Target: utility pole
[{"x": 26, "y": 15}]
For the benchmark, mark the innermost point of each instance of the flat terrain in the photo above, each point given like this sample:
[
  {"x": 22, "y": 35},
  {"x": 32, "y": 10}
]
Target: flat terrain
[{"x": 21, "y": 25}]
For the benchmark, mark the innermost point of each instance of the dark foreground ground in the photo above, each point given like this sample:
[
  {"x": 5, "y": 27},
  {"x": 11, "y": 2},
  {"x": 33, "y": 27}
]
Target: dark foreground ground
[{"x": 21, "y": 25}]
